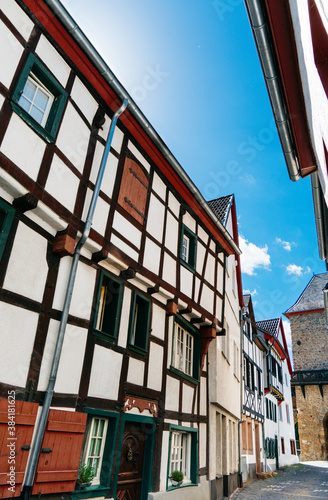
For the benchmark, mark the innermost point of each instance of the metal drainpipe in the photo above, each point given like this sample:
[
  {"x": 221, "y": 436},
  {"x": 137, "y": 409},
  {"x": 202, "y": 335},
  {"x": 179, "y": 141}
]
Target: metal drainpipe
[{"x": 39, "y": 433}]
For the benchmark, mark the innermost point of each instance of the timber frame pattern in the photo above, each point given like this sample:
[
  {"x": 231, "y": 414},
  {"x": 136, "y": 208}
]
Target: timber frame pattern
[{"x": 135, "y": 241}]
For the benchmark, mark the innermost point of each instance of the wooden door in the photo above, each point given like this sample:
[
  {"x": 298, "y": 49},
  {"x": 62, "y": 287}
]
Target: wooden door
[
  {"x": 257, "y": 448},
  {"x": 60, "y": 452},
  {"x": 131, "y": 465},
  {"x": 15, "y": 443}
]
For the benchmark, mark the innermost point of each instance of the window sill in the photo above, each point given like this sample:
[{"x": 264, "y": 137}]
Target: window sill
[
  {"x": 184, "y": 375},
  {"x": 137, "y": 349},
  {"x": 183, "y": 485},
  {"x": 91, "y": 492},
  {"x": 187, "y": 265},
  {"x": 103, "y": 335},
  {"x": 32, "y": 123}
]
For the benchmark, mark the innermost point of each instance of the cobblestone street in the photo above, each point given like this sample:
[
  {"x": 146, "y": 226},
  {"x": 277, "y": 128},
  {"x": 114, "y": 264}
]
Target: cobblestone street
[{"x": 301, "y": 481}]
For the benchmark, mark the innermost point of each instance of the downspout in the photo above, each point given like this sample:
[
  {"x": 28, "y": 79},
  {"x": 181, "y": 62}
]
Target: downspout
[
  {"x": 39, "y": 433},
  {"x": 319, "y": 215}
]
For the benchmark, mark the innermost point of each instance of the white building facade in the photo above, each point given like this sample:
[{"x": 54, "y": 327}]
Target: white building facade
[{"x": 129, "y": 391}]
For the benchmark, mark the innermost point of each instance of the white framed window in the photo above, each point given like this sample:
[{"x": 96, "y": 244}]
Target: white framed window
[
  {"x": 180, "y": 454},
  {"x": 185, "y": 248},
  {"x": 36, "y": 100},
  {"x": 95, "y": 445},
  {"x": 287, "y": 414},
  {"x": 183, "y": 350}
]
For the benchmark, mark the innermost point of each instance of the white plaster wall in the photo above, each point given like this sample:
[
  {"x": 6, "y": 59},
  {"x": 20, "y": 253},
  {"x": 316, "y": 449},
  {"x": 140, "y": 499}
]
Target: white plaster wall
[
  {"x": 108, "y": 181},
  {"x": 51, "y": 58},
  {"x": 10, "y": 54},
  {"x": 202, "y": 445},
  {"x": 101, "y": 213},
  {"x": 152, "y": 256},
  {"x": 83, "y": 288},
  {"x": 202, "y": 234},
  {"x": 62, "y": 184},
  {"x": 139, "y": 156},
  {"x": 127, "y": 229},
  {"x": 174, "y": 205},
  {"x": 136, "y": 371},
  {"x": 316, "y": 103},
  {"x": 158, "y": 322},
  {"x": 73, "y": 137},
  {"x": 71, "y": 360},
  {"x": 159, "y": 187},
  {"x": 210, "y": 269},
  {"x": 172, "y": 394},
  {"x": 26, "y": 153},
  {"x": 105, "y": 373},
  {"x": 187, "y": 398},
  {"x": 18, "y": 18},
  {"x": 124, "y": 247},
  {"x": 125, "y": 316},
  {"x": 27, "y": 269},
  {"x": 172, "y": 233},
  {"x": 207, "y": 298},
  {"x": 189, "y": 222},
  {"x": 203, "y": 396},
  {"x": 164, "y": 460},
  {"x": 170, "y": 340},
  {"x": 197, "y": 287},
  {"x": 186, "y": 278},
  {"x": 118, "y": 134},
  {"x": 155, "y": 220},
  {"x": 84, "y": 100},
  {"x": 18, "y": 328},
  {"x": 200, "y": 256},
  {"x": 155, "y": 367},
  {"x": 169, "y": 270}
]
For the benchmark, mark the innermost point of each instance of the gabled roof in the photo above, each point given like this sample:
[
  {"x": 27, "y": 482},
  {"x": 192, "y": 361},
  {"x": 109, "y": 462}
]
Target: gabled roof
[
  {"x": 270, "y": 325},
  {"x": 247, "y": 299},
  {"x": 221, "y": 207},
  {"x": 311, "y": 299}
]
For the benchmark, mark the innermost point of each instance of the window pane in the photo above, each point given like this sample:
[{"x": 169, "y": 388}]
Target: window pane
[
  {"x": 36, "y": 114},
  {"x": 24, "y": 103},
  {"x": 41, "y": 99},
  {"x": 29, "y": 90}
]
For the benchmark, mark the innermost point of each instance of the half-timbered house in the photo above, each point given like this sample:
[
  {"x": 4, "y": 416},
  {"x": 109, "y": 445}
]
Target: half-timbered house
[
  {"x": 225, "y": 370},
  {"x": 280, "y": 446},
  {"x": 254, "y": 350},
  {"x": 104, "y": 336}
]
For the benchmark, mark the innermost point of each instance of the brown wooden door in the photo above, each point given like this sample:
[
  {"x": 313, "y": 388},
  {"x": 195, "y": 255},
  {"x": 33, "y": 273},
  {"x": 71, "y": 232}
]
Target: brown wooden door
[
  {"x": 131, "y": 465},
  {"x": 60, "y": 452},
  {"x": 257, "y": 448},
  {"x": 14, "y": 443}
]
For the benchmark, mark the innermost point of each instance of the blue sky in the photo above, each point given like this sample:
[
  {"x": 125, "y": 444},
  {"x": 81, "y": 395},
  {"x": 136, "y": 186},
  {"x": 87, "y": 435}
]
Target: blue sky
[{"x": 193, "y": 69}]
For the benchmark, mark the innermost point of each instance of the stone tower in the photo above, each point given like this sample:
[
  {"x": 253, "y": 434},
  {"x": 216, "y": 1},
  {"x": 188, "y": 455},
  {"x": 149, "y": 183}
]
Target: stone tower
[{"x": 310, "y": 377}]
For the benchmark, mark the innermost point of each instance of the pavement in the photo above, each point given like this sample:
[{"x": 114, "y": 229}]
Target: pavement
[{"x": 306, "y": 480}]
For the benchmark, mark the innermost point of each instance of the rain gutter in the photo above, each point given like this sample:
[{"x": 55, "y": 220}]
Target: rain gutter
[
  {"x": 318, "y": 214},
  {"x": 261, "y": 33},
  {"x": 40, "y": 428},
  {"x": 75, "y": 32}
]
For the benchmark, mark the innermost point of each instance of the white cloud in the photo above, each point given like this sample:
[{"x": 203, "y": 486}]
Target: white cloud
[
  {"x": 248, "y": 292},
  {"x": 253, "y": 257},
  {"x": 285, "y": 244},
  {"x": 293, "y": 269}
]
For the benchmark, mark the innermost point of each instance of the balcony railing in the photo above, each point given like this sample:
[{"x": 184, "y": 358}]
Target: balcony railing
[{"x": 309, "y": 377}]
